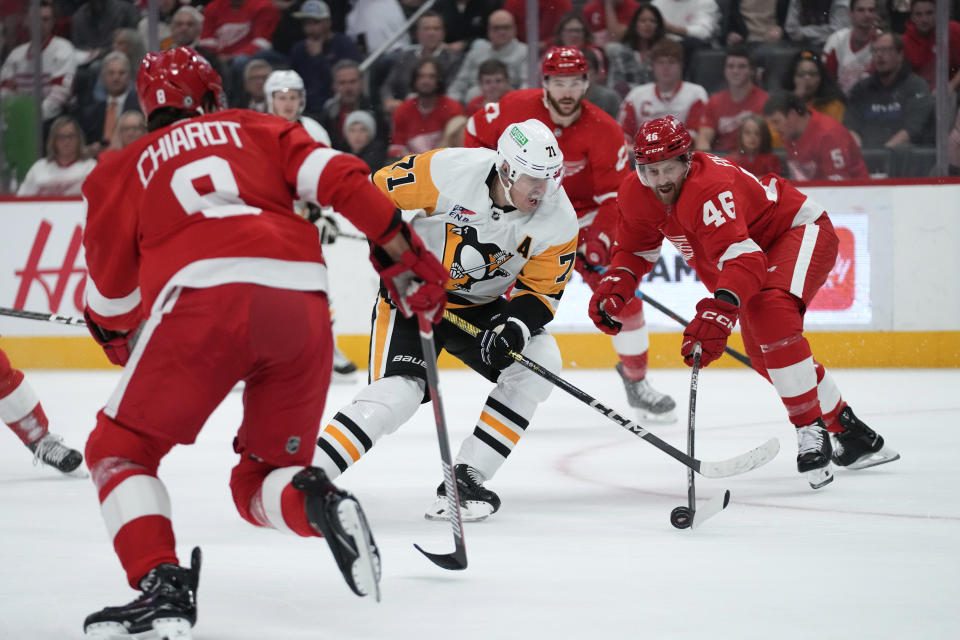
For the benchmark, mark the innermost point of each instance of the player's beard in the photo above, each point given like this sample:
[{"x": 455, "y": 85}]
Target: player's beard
[
  {"x": 567, "y": 110},
  {"x": 668, "y": 196}
]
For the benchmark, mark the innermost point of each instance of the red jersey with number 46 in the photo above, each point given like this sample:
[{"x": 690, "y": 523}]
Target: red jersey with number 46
[
  {"x": 209, "y": 201},
  {"x": 594, "y": 154},
  {"x": 723, "y": 223}
]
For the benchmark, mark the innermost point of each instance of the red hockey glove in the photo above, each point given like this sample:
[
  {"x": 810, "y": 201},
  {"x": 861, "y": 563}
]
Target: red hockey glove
[
  {"x": 591, "y": 277},
  {"x": 613, "y": 293},
  {"x": 594, "y": 247},
  {"x": 116, "y": 344},
  {"x": 508, "y": 334},
  {"x": 417, "y": 283},
  {"x": 711, "y": 327}
]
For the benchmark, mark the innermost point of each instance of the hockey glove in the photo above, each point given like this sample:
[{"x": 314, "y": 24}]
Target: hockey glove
[
  {"x": 594, "y": 248},
  {"x": 496, "y": 344},
  {"x": 612, "y": 294},
  {"x": 711, "y": 327},
  {"x": 116, "y": 344},
  {"x": 415, "y": 284}
]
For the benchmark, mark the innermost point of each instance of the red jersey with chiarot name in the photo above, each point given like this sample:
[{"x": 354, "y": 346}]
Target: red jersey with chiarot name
[
  {"x": 595, "y": 158},
  {"x": 725, "y": 116},
  {"x": 209, "y": 201},
  {"x": 722, "y": 223},
  {"x": 824, "y": 151}
]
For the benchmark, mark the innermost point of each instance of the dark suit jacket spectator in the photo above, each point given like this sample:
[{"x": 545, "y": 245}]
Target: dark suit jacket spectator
[
  {"x": 315, "y": 70},
  {"x": 92, "y": 116},
  {"x": 466, "y": 25}
]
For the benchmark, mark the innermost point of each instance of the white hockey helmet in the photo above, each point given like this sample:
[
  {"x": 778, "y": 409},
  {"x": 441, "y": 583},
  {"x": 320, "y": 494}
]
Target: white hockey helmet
[
  {"x": 530, "y": 148},
  {"x": 284, "y": 80}
]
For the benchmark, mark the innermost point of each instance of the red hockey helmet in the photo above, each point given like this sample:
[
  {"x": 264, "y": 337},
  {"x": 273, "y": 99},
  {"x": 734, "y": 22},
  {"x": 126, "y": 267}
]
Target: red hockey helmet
[
  {"x": 177, "y": 78},
  {"x": 564, "y": 61},
  {"x": 661, "y": 139}
]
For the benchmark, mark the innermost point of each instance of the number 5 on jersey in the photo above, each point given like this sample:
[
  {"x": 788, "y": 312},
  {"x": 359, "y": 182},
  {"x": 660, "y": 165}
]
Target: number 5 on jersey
[{"x": 714, "y": 214}]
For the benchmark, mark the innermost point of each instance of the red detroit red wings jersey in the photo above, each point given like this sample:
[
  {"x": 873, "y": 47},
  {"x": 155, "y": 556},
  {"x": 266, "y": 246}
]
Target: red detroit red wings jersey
[
  {"x": 825, "y": 151},
  {"x": 722, "y": 223},
  {"x": 209, "y": 201},
  {"x": 595, "y": 158}
]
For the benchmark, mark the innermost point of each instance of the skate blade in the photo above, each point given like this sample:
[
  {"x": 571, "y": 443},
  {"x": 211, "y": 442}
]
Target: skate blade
[
  {"x": 163, "y": 629},
  {"x": 819, "y": 478},
  {"x": 885, "y": 455},
  {"x": 343, "y": 378},
  {"x": 667, "y": 417},
  {"x": 365, "y": 569},
  {"x": 470, "y": 511}
]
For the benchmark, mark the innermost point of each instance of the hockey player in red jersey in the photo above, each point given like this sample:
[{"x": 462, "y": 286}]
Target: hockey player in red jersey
[
  {"x": 595, "y": 161},
  {"x": 201, "y": 275},
  {"x": 20, "y": 410},
  {"x": 764, "y": 250}
]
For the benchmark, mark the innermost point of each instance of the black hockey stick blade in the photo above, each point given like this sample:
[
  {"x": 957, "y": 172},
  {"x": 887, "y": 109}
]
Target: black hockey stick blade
[
  {"x": 710, "y": 508},
  {"x": 44, "y": 317},
  {"x": 457, "y": 559},
  {"x": 711, "y": 469}
]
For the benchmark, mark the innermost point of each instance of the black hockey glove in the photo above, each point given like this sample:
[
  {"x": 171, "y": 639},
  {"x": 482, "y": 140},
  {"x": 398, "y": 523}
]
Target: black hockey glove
[{"x": 497, "y": 343}]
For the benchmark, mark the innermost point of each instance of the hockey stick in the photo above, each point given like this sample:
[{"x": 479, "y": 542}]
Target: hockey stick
[
  {"x": 458, "y": 558},
  {"x": 46, "y": 317},
  {"x": 689, "y": 516},
  {"x": 676, "y": 316},
  {"x": 719, "y": 469}
]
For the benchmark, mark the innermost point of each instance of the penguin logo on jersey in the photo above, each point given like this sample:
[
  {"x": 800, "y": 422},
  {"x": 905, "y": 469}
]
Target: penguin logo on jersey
[{"x": 470, "y": 260}]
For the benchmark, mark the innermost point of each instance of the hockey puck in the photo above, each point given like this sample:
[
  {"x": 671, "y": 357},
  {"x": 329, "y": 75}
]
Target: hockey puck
[{"x": 681, "y": 517}]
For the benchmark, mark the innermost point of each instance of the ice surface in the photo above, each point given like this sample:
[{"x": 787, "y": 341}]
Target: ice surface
[{"x": 582, "y": 547}]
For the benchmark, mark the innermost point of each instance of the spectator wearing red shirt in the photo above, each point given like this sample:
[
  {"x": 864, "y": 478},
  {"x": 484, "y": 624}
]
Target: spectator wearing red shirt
[
  {"x": 493, "y": 78},
  {"x": 818, "y": 147},
  {"x": 919, "y": 43},
  {"x": 236, "y": 30},
  {"x": 549, "y": 11},
  {"x": 755, "y": 148},
  {"x": 608, "y": 19},
  {"x": 419, "y": 121},
  {"x": 721, "y": 118}
]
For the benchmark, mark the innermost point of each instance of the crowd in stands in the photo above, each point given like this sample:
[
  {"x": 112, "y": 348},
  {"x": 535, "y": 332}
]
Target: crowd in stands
[{"x": 811, "y": 89}]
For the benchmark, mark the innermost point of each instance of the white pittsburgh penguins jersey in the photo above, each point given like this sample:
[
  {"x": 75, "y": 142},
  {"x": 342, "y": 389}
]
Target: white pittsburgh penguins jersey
[{"x": 485, "y": 249}]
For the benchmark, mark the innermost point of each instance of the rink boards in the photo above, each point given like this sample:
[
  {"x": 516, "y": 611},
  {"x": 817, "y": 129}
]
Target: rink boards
[{"x": 892, "y": 299}]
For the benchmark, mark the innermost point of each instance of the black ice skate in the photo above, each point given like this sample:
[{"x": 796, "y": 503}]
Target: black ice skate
[
  {"x": 476, "y": 501},
  {"x": 650, "y": 403},
  {"x": 50, "y": 450},
  {"x": 859, "y": 446},
  {"x": 343, "y": 368},
  {"x": 166, "y": 610},
  {"x": 813, "y": 457},
  {"x": 338, "y": 517}
]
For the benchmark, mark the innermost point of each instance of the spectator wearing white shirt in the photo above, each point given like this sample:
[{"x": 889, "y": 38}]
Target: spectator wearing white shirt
[
  {"x": 848, "y": 53},
  {"x": 66, "y": 165},
  {"x": 373, "y": 22},
  {"x": 692, "y": 22},
  {"x": 58, "y": 65}
]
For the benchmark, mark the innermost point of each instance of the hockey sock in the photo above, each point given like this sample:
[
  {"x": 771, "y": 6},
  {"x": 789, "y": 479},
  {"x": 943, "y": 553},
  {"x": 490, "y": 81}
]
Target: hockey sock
[
  {"x": 380, "y": 408},
  {"x": 19, "y": 405},
  {"x": 502, "y": 422},
  {"x": 265, "y": 497},
  {"x": 790, "y": 367},
  {"x": 633, "y": 341},
  {"x": 133, "y": 501},
  {"x": 831, "y": 402}
]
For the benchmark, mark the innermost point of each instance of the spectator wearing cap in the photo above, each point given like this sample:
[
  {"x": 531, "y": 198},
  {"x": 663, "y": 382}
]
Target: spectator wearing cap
[
  {"x": 430, "y": 44},
  {"x": 315, "y": 56},
  {"x": 360, "y": 133},
  {"x": 501, "y": 44}
]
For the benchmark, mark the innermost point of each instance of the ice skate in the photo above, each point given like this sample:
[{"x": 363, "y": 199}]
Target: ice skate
[
  {"x": 859, "y": 446},
  {"x": 166, "y": 610},
  {"x": 813, "y": 457},
  {"x": 337, "y": 515},
  {"x": 344, "y": 370},
  {"x": 51, "y": 451},
  {"x": 476, "y": 501},
  {"x": 650, "y": 403}
]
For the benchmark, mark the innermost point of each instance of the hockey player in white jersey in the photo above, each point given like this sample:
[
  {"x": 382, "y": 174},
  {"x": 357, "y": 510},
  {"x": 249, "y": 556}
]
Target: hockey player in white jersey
[
  {"x": 497, "y": 220},
  {"x": 286, "y": 97}
]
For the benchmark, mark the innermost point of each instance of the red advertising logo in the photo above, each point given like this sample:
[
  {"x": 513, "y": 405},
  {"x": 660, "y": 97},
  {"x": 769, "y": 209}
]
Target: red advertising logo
[
  {"x": 54, "y": 281},
  {"x": 837, "y": 293}
]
